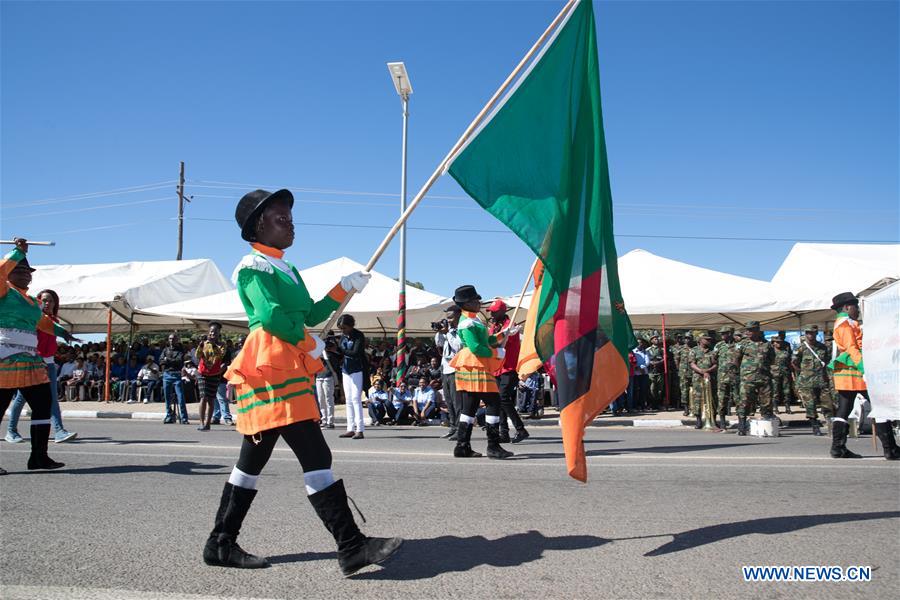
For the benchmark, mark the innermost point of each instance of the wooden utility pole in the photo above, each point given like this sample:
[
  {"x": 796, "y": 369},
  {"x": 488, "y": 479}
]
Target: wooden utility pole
[{"x": 180, "y": 210}]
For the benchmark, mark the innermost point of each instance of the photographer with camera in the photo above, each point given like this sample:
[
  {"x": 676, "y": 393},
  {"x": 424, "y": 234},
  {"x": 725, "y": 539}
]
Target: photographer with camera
[{"x": 447, "y": 339}]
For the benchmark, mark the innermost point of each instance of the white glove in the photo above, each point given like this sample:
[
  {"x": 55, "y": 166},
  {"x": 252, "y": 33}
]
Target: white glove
[
  {"x": 316, "y": 352},
  {"x": 501, "y": 352},
  {"x": 513, "y": 330},
  {"x": 355, "y": 281}
]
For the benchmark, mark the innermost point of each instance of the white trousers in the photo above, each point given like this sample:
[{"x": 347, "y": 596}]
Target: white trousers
[
  {"x": 325, "y": 395},
  {"x": 353, "y": 394}
]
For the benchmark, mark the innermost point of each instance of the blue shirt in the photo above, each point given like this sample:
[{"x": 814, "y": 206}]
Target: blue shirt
[
  {"x": 379, "y": 396},
  {"x": 423, "y": 397},
  {"x": 399, "y": 399}
]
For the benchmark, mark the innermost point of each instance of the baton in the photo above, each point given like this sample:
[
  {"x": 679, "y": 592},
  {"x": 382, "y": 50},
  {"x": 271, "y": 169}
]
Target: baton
[{"x": 30, "y": 243}]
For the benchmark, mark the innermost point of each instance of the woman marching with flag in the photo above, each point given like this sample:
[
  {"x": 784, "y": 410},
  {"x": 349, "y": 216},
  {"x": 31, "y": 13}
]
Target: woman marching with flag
[{"x": 273, "y": 378}]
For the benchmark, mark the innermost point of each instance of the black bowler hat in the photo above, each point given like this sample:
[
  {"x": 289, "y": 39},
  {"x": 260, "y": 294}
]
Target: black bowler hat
[
  {"x": 23, "y": 264},
  {"x": 465, "y": 294},
  {"x": 842, "y": 300},
  {"x": 251, "y": 206}
]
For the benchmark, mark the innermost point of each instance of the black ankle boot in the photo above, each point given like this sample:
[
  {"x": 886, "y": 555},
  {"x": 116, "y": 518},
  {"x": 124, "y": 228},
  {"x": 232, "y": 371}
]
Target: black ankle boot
[
  {"x": 521, "y": 435},
  {"x": 888, "y": 443},
  {"x": 463, "y": 447},
  {"x": 742, "y": 426},
  {"x": 40, "y": 437},
  {"x": 839, "y": 431},
  {"x": 221, "y": 548},
  {"x": 355, "y": 550},
  {"x": 494, "y": 449},
  {"x": 814, "y": 422},
  {"x": 724, "y": 425},
  {"x": 504, "y": 436}
]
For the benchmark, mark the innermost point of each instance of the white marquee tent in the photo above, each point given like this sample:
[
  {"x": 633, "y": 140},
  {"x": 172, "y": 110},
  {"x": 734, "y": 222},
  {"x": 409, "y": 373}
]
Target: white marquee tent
[
  {"x": 375, "y": 309},
  {"x": 828, "y": 269},
  {"x": 87, "y": 292}
]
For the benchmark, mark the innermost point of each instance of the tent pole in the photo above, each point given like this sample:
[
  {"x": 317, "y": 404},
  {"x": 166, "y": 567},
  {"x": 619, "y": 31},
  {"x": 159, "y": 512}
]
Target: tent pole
[
  {"x": 665, "y": 360},
  {"x": 108, "y": 352}
]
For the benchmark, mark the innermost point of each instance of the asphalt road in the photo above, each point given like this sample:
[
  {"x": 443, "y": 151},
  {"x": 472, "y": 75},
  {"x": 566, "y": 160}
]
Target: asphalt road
[{"x": 666, "y": 514}]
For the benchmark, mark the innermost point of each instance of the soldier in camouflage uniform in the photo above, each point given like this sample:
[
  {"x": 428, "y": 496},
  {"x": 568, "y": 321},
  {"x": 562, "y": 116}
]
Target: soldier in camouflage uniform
[
  {"x": 781, "y": 374},
  {"x": 656, "y": 369},
  {"x": 809, "y": 365},
  {"x": 684, "y": 372},
  {"x": 675, "y": 380},
  {"x": 703, "y": 367},
  {"x": 727, "y": 374},
  {"x": 754, "y": 358}
]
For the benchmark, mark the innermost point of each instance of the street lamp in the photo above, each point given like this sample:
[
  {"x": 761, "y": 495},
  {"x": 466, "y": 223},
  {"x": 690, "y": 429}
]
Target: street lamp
[{"x": 404, "y": 89}]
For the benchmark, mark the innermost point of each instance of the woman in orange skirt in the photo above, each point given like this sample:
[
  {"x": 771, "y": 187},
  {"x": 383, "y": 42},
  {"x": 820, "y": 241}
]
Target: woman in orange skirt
[{"x": 274, "y": 378}]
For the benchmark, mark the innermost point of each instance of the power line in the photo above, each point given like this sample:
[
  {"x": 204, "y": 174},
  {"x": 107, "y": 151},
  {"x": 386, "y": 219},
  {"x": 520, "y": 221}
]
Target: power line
[
  {"x": 77, "y": 197},
  {"x": 85, "y": 209},
  {"x": 102, "y": 227},
  {"x": 621, "y": 235}
]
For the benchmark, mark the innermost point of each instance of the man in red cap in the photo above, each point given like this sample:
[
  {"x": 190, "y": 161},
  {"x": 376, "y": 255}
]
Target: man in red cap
[{"x": 507, "y": 375}]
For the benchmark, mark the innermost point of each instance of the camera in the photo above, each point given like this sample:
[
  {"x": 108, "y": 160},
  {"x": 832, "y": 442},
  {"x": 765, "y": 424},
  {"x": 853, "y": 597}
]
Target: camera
[{"x": 439, "y": 325}]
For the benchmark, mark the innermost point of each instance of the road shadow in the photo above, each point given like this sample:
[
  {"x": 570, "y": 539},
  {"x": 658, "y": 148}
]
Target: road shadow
[
  {"x": 428, "y": 558},
  {"x": 627, "y": 451},
  {"x": 702, "y": 536},
  {"x": 178, "y": 467},
  {"x": 109, "y": 440}
]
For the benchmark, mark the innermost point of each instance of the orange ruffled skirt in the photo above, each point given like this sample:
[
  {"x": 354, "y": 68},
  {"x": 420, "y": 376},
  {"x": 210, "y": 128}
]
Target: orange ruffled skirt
[
  {"x": 273, "y": 382},
  {"x": 21, "y": 371},
  {"x": 474, "y": 373}
]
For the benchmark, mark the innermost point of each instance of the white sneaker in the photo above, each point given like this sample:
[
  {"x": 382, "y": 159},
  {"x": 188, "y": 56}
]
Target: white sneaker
[
  {"x": 129, "y": 401},
  {"x": 145, "y": 401},
  {"x": 64, "y": 436},
  {"x": 13, "y": 438}
]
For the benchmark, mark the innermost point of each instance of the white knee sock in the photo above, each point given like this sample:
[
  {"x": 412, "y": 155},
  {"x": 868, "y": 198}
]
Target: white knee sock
[
  {"x": 466, "y": 419},
  {"x": 244, "y": 480},
  {"x": 492, "y": 419},
  {"x": 316, "y": 481}
]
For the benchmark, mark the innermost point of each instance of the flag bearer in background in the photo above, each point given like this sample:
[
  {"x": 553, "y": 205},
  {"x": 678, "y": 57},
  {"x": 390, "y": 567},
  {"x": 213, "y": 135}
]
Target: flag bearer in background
[
  {"x": 273, "y": 378},
  {"x": 475, "y": 364},
  {"x": 507, "y": 377},
  {"x": 848, "y": 370}
]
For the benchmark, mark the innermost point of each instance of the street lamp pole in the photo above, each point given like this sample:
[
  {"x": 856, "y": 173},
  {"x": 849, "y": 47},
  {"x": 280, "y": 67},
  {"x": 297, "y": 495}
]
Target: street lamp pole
[{"x": 404, "y": 89}]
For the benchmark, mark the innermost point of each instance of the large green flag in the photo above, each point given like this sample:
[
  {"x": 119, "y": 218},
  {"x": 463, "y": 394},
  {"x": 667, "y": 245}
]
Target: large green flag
[{"x": 538, "y": 164}]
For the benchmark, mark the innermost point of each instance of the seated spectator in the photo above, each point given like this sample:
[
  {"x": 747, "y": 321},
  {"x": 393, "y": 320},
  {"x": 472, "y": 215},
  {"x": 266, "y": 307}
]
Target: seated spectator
[
  {"x": 76, "y": 385},
  {"x": 416, "y": 372},
  {"x": 118, "y": 381},
  {"x": 189, "y": 375},
  {"x": 424, "y": 403},
  {"x": 66, "y": 367},
  {"x": 531, "y": 398},
  {"x": 149, "y": 380},
  {"x": 400, "y": 409},
  {"x": 378, "y": 401},
  {"x": 130, "y": 383},
  {"x": 434, "y": 372}
]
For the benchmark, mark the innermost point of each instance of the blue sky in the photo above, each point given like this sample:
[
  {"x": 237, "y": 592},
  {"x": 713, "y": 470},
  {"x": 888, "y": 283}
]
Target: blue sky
[{"x": 723, "y": 119}]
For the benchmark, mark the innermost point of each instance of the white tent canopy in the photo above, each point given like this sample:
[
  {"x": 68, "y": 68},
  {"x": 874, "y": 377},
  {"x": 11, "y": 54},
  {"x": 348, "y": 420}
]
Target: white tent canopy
[
  {"x": 825, "y": 270},
  {"x": 375, "y": 309},
  {"x": 87, "y": 292}
]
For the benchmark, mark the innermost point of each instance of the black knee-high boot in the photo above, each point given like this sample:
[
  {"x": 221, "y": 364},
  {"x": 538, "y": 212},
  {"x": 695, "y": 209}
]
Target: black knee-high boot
[
  {"x": 40, "y": 437},
  {"x": 221, "y": 548},
  {"x": 355, "y": 550},
  {"x": 463, "y": 447},
  {"x": 839, "y": 431},
  {"x": 888, "y": 443},
  {"x": 494, "y": 449}
]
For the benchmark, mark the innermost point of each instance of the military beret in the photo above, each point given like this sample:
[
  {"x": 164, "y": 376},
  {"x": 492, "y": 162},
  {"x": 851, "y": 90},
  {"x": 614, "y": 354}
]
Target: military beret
[
  {"x": 752, "y": 324},
  {"x": 688, "y": 335},
  {"x": 726, "y": 329},
  {"x": 813, "y": 328},
  {"x": 709, "y": 334}
]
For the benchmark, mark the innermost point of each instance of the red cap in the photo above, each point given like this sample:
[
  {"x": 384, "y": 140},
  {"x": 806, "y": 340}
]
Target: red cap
[{"x": 498, "y": 305}]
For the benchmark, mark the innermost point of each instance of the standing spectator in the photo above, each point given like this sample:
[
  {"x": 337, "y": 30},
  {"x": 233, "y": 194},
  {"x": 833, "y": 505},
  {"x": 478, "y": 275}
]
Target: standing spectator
[
  {"x": 355, "y": 374},
  {"x": 46, "y": 348},
  {"x": 189, "y": 376},
  {"x": 171, "y": 359},
  {"x": 211, "y": 356},
  {"x": 118, "y": 378},
  {"x": 447, "y": 339},
  {"x": 325, "y": 384},
  {"x": 221, "y": 410},
  {"x": 655, "y": 372},
  {"x": 378, "y": 401},
  {"x": 641, "y": 377},
  {"x": 507, "y": 377},
  {"x": 423, "y": 402}
]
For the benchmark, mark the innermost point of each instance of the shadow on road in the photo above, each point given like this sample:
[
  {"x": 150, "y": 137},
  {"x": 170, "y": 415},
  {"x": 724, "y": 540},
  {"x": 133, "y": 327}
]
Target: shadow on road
[
  {"x": 625, "y": 451},
  {"x": 177, "y": 467},
  {"x": 109, "y": 440},
  {"x": 427, "y": 558},
  {"x": 768, "y": 526}
]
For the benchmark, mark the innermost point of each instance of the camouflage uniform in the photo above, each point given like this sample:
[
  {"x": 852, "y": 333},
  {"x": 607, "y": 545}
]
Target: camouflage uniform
[
  {"x": 727, "y": 374},
  {"x": 755, "y": 359},
  {"x": 684, "y": 375},
  {"x": 781, "y": 376},
  {"x": 704, "y": 359},
  {"x": 675, "y": 380},
  {"x": 657, "y": 377},
  {"x": 812, "y": 378}
]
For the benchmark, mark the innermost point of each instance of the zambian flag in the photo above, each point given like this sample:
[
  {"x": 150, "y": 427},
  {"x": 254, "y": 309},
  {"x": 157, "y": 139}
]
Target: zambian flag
[{"x": 538, "y": 164}]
